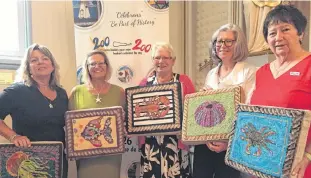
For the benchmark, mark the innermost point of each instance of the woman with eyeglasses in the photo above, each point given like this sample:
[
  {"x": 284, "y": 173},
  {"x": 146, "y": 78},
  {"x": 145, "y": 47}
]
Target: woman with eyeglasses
[
  {"x": 228, "y": 49},
  {"x": 97, "y": 92},
  {"x": 165, "y": 156}
]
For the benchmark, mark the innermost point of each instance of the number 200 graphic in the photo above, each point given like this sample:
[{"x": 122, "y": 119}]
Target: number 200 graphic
[
  {"x": 141, "y": 47},
  {"x": 138, "y": 46}
]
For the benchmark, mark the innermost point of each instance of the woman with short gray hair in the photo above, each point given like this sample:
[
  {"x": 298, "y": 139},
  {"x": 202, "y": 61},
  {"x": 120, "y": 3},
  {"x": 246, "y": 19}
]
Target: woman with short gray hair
[
  {"x": 165, "y": 147},
  {"x": 228, "y": 50}
]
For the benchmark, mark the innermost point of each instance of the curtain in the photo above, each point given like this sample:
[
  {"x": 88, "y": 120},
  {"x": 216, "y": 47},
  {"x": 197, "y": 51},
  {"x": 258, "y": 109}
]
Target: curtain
[
  {"x": 250, "y": 15},
  {"x": 236, "y": 15},
  {"x": 254, "y": 18}
]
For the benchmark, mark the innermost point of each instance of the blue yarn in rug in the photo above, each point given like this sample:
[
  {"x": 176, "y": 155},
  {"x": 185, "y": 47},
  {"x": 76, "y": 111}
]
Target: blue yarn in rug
[{"x": 260, "y": 142}]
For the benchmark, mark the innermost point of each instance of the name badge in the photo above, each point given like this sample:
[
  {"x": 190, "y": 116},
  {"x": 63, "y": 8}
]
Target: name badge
[{"x": 294, "y": 73}]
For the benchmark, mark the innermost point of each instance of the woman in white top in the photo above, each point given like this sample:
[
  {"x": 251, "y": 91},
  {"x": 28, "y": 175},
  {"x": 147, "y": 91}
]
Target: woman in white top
[{"x": 228, "y": 49}]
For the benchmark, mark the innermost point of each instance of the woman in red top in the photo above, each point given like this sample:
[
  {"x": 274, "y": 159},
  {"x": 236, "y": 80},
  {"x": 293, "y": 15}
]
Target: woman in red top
[{"x": 286, "y": 82}]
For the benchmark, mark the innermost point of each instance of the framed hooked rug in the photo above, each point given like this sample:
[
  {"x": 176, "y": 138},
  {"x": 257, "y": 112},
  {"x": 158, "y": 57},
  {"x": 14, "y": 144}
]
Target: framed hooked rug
[
  {"x": 154, "y": 110},
  {"x": 94, "y": 132},
  {"x": 209, "y": 115},
  {"x": 267, "y": 141},
  {"x": 42, "y": 159}
]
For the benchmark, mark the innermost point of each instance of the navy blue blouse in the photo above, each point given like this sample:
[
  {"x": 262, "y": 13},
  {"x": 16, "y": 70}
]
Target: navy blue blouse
[{"x": 31, "y": 113}]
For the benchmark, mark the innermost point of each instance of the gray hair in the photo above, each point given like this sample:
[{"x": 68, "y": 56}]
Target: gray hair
[
  {"x": 240, "y": 51},
  {"x": 23, "y": 72},
  {"x": 163, "y": 45},
  {"x": 87, "y": 78}
]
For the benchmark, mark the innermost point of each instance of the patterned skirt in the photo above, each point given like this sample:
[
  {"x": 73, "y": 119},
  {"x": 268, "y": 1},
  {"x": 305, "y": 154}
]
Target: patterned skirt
[{"x": 161, "y": 158}]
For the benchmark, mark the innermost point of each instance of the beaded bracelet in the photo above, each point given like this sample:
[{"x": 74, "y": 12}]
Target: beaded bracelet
[
  {"x": 13, "y": 137},
  {"x": 308, "y": 155}
]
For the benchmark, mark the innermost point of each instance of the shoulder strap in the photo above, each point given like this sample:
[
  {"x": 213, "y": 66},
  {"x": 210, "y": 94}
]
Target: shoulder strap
[
  {"x": 149, "y": 82},
  {"x": 176, "y": 77},
  {"x": 151, "y": 79}
]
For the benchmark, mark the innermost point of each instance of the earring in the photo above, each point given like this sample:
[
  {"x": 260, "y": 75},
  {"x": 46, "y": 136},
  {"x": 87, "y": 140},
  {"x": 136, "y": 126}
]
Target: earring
[{"x": 300, "y": 38}]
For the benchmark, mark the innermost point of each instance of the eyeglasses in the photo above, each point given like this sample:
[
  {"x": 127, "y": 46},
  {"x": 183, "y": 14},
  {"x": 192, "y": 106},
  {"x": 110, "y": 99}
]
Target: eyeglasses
[
  {"x": 100, "y": 64},
  {"x": 164, "y": 58},
  {"x": 228, "y": 43}
]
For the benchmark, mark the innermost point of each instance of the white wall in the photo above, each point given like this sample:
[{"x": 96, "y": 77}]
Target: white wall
[
  {"x": 177, "y": 33},
  {"x": 259, "y": 61},
  {"x": 52, "y": 25},
  {"x": 202, "y": 19}
]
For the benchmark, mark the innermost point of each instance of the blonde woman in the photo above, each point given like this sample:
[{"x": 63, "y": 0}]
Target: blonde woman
[
  {"x": 36, "y": 102},
  {"x": 165, "y": 156},
  {"x": 97, "y": 92}
]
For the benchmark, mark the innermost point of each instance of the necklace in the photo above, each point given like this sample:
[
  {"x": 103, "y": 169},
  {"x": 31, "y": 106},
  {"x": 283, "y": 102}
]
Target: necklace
[
  {"x": 98, "y": 99},
  {"x": 49, "y": 101},
  {"x": 281, "y": 68},
  {"x": 51, "y": 106},
  {"x": 221, "y": 78}
]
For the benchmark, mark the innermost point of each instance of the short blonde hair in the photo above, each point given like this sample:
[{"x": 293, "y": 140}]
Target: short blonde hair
[
  {"x": 87, "y": 78},
  {"x": 240, "y": 51},
  {"x": 23, "y": 72},
  {"x": 160, "y": 45},
  {"x": 163, "y": 45}
]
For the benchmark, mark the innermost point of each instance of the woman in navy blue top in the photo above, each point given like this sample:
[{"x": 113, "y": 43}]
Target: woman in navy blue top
[{"x": 36, "y": 102}]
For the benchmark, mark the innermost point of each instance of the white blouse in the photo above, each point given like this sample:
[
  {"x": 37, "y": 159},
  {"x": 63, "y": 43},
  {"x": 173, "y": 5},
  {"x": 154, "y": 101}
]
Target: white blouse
[{"x": 242, "y": 74}]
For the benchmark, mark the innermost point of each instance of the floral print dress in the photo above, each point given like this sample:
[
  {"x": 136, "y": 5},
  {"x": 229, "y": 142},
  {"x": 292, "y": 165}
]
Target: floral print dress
[{"x": 161, "y": 157}]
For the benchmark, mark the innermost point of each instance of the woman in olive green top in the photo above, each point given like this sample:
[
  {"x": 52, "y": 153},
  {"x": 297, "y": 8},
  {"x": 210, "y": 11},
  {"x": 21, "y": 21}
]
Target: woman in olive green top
[{"x": 97, "y": 92}]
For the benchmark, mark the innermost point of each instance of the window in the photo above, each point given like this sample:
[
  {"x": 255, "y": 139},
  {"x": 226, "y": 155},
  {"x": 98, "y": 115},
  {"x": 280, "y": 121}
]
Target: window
[{"x": 14, "y": 32}]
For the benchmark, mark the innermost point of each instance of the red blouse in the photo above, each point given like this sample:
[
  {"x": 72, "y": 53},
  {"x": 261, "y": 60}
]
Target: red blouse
[{"x": 290, "y": 90}]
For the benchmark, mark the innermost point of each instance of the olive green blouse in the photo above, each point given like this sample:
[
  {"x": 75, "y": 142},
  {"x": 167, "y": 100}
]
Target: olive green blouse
[{"x": 81, "y": 98}]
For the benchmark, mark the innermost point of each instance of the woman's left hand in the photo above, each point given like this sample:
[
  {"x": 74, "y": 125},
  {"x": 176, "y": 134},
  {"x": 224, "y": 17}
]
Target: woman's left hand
[
  {"x": 217, "y": 146},
  {"x": 301, "y": 167}
]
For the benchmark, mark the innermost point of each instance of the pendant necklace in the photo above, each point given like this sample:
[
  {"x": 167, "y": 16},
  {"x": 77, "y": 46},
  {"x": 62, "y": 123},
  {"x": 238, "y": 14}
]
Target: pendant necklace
[
  {"x": 50, "y": 105},
  {"x": 49, "y": 101},
  {"x": 98, "y": 99}
]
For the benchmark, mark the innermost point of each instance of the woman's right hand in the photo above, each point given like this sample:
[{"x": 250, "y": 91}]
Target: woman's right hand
[{"x": 21, "y": 141}]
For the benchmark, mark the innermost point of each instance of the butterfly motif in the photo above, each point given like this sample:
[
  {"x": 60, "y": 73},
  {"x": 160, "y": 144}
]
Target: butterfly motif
[{"x": 92, "y": 131}]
